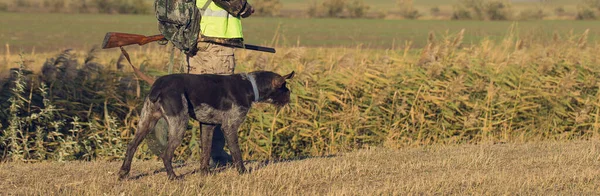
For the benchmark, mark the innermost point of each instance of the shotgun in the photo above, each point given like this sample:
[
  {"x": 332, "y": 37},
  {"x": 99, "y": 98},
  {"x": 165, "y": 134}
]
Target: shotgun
[{"x": 114, "y": 39}]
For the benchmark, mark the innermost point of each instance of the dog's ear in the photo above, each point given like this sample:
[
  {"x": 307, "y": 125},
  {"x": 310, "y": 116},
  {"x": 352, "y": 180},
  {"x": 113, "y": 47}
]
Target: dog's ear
[
  {"x": 277, "y": 82},
  {"x": 290, "y": 75}
]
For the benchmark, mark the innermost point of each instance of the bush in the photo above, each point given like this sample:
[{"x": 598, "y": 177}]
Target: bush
[
  {"x": 474, "y": 7},
  {"x": 482, "y": 10},
  {"x": 266, "y": 7},
  {"x": 435, "y": 11},
  {"x": 497, "y": 10},
  {"x": 338, "y": 9},
  {"x": 103, "y": 6},
  {"x": 411, "y": 14},
  {"x": 23, "y": 3},
  {"x": 560, "y": 11},
  {"x": 407, "y": 9},
  {"x": 357, "y": 9},
  {"x": 461, "y": 13},
  {"x": 334, "y": 8},
  {"x": 588, "y": 10},
  {"x": 585, "y": 14},
  {"x": 3, "y": 6},
  {"x": 133, "y": 7}
]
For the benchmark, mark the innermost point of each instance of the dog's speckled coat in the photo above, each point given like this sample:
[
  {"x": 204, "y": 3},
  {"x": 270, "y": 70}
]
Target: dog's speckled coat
[{"x": 212, "y": 100}]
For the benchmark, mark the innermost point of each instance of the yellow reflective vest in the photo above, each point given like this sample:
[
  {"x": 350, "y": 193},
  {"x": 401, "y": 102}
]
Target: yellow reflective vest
[{"x": 217, "y": 22}]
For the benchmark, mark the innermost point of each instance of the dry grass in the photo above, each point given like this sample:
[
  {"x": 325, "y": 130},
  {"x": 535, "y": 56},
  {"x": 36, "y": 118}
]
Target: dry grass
[{"x": 535, "y": 168}]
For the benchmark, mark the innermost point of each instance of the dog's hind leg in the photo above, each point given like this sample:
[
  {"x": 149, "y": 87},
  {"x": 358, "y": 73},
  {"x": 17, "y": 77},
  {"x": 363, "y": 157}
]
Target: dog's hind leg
[
  {"x": 148, "y": 119},
  {"x": 177, "y": 128}
]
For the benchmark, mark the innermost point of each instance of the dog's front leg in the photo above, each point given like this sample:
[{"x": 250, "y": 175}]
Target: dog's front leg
[
  {"x": 231, "y": 135},
  {"x": 207, "y": 136}
]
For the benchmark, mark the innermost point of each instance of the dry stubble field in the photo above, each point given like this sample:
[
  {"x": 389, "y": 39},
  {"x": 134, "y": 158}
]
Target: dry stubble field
[{"x": 532, "y": 168}]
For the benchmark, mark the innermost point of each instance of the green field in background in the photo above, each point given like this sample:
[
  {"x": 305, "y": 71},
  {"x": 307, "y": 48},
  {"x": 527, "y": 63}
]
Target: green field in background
[
  {"x": 50, "y": 32},
  {"x": 391, "y": 4},
  {"x": 377, "y": 8},
  {"x": 386, "y": 5}
]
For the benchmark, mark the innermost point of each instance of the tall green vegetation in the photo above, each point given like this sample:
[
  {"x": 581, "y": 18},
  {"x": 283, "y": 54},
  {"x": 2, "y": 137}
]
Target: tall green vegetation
[
  {"x": 70, "y": 111},
  {"x": 515, "y": 90}
]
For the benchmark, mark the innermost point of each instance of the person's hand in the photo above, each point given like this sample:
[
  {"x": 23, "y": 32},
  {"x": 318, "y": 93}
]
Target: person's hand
[{"x": 249, "y": 11}]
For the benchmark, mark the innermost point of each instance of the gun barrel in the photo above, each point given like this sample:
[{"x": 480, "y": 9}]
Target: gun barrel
[{"x": 259, "y": 48}]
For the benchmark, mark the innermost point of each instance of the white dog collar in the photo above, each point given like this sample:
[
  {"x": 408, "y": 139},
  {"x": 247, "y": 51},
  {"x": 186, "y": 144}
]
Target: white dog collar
[{"x": 254, "y": 87}]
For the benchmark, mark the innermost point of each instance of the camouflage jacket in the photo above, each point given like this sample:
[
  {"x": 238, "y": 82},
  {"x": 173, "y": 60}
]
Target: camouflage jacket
[{"x": 236, "y": 8}]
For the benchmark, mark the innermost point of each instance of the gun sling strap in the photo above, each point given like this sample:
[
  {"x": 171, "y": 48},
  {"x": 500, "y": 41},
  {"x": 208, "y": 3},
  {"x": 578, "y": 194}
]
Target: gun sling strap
[
  {"x": 205, "y": 6},
  {"x": 137, "y": 71}
]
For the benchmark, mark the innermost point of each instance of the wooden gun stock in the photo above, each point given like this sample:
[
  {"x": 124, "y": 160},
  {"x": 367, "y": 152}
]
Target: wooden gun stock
[{"x": 113, "y": 39}]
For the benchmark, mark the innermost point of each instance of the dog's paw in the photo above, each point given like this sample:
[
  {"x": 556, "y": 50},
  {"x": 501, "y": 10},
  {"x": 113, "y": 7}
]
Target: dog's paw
[
  {"x": 242, "y": 170},
  {"x": 123, "y": 175},
  {"x": 175, "y": 177}
]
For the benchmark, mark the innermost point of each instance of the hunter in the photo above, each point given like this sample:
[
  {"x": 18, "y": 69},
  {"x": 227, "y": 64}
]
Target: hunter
[{"x": 220, "y": 23}]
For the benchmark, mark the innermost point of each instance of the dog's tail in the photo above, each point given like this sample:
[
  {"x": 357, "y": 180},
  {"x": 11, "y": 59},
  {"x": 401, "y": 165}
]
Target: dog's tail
[{"x": 137, "y": 72}]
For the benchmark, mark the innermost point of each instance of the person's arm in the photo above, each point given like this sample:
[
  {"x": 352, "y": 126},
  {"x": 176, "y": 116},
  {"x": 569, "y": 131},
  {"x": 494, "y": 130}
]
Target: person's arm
[{"x": 236, "y": 7}]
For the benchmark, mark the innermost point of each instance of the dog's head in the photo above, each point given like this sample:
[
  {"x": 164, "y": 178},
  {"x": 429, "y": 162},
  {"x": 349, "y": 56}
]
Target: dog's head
[{"x": 272, "y": 87}]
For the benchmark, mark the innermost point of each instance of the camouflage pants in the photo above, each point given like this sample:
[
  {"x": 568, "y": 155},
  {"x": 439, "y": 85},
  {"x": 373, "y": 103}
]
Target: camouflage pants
[{"x": 214, "y": 59}]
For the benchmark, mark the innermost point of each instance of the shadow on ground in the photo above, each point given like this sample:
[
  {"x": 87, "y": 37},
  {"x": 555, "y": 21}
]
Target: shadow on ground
[{"x": 221, "y": 168}]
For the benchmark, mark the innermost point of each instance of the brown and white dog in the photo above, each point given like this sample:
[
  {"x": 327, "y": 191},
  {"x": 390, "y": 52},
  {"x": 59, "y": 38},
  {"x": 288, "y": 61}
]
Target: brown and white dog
[{"x": 213, "y": 100}]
